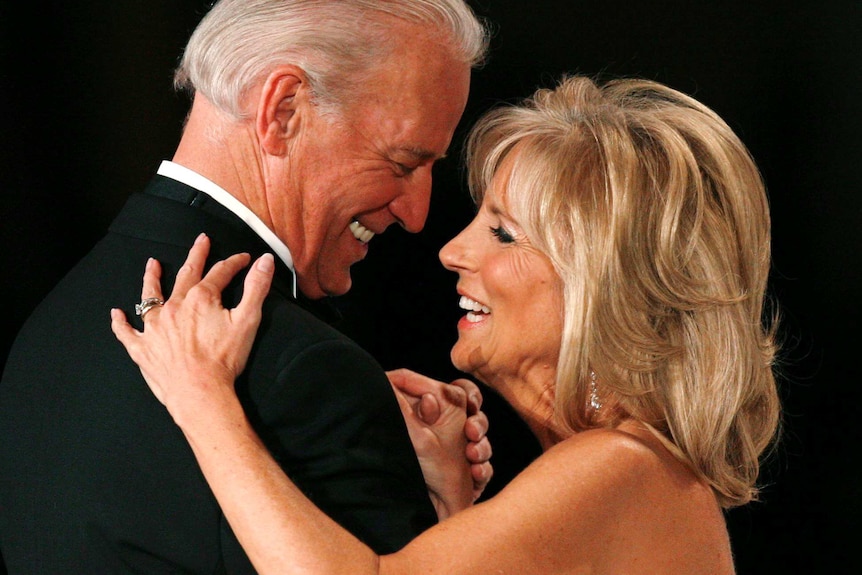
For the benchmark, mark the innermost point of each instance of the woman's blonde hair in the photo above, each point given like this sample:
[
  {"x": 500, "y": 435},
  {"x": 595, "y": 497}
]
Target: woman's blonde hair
[{"x": 656, "y": 219}]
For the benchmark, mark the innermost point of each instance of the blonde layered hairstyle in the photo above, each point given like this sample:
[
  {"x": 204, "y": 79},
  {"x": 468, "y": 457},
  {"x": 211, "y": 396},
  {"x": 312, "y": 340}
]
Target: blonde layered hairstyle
[
  {"x": 239, "y": 42},
  {"x": 656, "y": 219}
]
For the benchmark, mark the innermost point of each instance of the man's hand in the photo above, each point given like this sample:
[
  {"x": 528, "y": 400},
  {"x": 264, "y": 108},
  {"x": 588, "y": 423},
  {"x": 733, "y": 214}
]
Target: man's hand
[
  {"x": 478, "y": 450},
  {"x": 448, "y": 431}
]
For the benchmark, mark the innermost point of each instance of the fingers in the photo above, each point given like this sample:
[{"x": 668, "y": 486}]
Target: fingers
[
  {"x": 404, "y": 403},
  {"x": 476, "y": 426},
  {"x": 152, "y": 286},
  {"x": 482, "y": 474},
  {"x": 257, "y": 283},
  {"x": 421, "y": 387},
  {"x": 479, "y": 451},
  {"x": 474, "y": 395},
  {"x": 413, "y": 383},
  {"x": 453, "y": 395},
  {"x": 398, "y": 377},
  {"x": 428, "y": 409},
  {"x": 221, "y": 274},
  {"x": 190, "y": 272},
  {"x": 124, "y": 332},
  {"x": 218, "y": 277},
  {"x": 133, "y": 341}
]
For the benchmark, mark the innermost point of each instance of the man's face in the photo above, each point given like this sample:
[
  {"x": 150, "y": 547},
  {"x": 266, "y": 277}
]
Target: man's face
[{"x": 351, "y": 177}]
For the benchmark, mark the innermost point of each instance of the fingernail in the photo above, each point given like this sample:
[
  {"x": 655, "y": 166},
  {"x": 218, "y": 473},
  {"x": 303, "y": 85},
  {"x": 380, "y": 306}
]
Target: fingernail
[
  {"x": 150, "y": 262},
  {"x": 266, "y": 263},
  {"x": 200, "y": 237}
]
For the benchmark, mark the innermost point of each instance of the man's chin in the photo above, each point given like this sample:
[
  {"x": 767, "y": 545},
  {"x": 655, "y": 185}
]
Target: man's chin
[{"x": 313, "y": 288}]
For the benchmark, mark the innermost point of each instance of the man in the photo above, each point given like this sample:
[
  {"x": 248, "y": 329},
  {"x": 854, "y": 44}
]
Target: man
[{"x": 314, "y": 126}]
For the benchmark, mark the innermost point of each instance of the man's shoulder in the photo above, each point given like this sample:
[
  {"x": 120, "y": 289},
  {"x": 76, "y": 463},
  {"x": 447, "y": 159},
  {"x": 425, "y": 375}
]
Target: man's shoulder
[{"x": 292, "y": 331}]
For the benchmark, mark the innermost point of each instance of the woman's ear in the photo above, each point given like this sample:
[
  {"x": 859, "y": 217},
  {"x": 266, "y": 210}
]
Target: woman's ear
[{"x": 282, "y": 95}]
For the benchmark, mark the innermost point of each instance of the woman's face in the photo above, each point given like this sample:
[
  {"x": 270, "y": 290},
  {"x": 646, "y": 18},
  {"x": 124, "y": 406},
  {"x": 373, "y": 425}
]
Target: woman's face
[{"x": 513, "y": 298}]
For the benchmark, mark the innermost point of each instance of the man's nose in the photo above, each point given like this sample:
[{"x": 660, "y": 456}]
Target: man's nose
[{"x": 411, "y": 207}]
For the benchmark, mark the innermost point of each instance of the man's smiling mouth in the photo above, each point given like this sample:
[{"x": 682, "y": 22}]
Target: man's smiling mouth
[{"x": 360, "y": 232}]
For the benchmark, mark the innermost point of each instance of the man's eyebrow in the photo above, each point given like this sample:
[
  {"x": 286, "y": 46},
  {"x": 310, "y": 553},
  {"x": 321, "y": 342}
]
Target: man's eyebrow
[{"x": 420, "y": 154}]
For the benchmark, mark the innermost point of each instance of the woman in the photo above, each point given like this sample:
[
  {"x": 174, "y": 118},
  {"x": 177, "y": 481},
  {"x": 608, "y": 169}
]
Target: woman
[{"x": 614, "y": 280}]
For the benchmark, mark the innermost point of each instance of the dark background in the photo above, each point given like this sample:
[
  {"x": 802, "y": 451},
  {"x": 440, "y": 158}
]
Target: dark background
[{"x": 89, "y": 114}]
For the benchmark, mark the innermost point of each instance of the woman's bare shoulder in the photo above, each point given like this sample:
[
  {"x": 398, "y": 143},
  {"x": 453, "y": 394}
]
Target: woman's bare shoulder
[
  {"x": 603, "y": 500},
  {"x": 623, "y": 485},
  {"x": 609, "y": 455}
]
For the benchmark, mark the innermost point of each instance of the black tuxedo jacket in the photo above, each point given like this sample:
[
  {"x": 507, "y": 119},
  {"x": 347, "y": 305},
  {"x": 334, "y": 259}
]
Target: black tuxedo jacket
[{"x": 94, "y": 475}]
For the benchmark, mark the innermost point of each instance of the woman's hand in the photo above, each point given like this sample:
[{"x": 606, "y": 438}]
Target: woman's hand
[
  {"x": 447, "y": 428},
  {"x": 192, "y": 348}
]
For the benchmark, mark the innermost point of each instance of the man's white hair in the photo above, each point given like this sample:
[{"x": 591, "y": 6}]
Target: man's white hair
[{"x": 240, "y": 41}]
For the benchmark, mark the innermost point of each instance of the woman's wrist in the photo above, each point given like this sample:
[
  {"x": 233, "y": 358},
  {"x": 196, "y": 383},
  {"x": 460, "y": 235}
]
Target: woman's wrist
[{"x": 199, "y": 406}]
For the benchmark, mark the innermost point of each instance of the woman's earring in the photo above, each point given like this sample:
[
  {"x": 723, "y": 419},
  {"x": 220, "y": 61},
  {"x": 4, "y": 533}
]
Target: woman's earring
[{"x": 594, "y": 394}]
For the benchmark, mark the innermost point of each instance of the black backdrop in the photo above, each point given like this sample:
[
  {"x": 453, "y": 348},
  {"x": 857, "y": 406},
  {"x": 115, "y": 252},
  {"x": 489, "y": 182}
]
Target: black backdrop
[{"x": 89, "y": 113}]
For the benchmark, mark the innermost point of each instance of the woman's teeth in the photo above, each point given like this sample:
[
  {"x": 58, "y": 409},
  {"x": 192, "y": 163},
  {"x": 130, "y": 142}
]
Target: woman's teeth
[
  {"x": 360, "y": 232},
  {"x": 475, "y": 310}
]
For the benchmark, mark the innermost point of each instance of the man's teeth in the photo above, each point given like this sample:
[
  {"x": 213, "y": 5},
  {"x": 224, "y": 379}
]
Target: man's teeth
[
  {"x": 475, "y": 310},
  {"x": 360, "y": 232}
]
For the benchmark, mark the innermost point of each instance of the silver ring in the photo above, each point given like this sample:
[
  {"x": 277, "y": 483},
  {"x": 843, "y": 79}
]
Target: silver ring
[{"x": 146, "y": 305}]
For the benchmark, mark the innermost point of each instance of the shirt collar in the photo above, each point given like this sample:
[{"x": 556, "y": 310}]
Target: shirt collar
[{"x": 191, "y": 178}]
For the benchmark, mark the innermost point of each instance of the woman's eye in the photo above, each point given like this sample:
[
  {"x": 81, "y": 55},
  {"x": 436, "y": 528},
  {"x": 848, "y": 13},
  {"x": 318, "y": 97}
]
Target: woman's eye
[{"x": 502, "y": 235}]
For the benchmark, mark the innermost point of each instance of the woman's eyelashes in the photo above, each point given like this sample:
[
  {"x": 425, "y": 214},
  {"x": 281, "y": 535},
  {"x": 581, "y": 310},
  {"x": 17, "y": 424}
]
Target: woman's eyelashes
[{"x": 502, "y": 235}]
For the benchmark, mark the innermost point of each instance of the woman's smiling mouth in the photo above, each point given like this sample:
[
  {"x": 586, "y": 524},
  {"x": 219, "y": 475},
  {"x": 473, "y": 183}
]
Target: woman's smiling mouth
[{"x": 475, "y": 310}]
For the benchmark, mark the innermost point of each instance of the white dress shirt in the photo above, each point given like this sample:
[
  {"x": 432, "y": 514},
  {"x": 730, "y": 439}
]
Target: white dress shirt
[{"x": 191, "y": 178}]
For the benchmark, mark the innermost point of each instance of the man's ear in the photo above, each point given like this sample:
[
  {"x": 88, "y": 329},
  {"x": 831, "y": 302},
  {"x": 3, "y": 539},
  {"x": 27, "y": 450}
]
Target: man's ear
[{"x": 283, "y": 93}]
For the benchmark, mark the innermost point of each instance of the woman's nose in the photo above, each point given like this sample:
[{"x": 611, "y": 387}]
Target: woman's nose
[{"x": 455, "y": 254}]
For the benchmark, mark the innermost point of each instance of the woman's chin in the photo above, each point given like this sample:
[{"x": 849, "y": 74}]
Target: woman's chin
[
  {"x": 457, "y": 360},
  {"x": 466, "y": 360}
]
